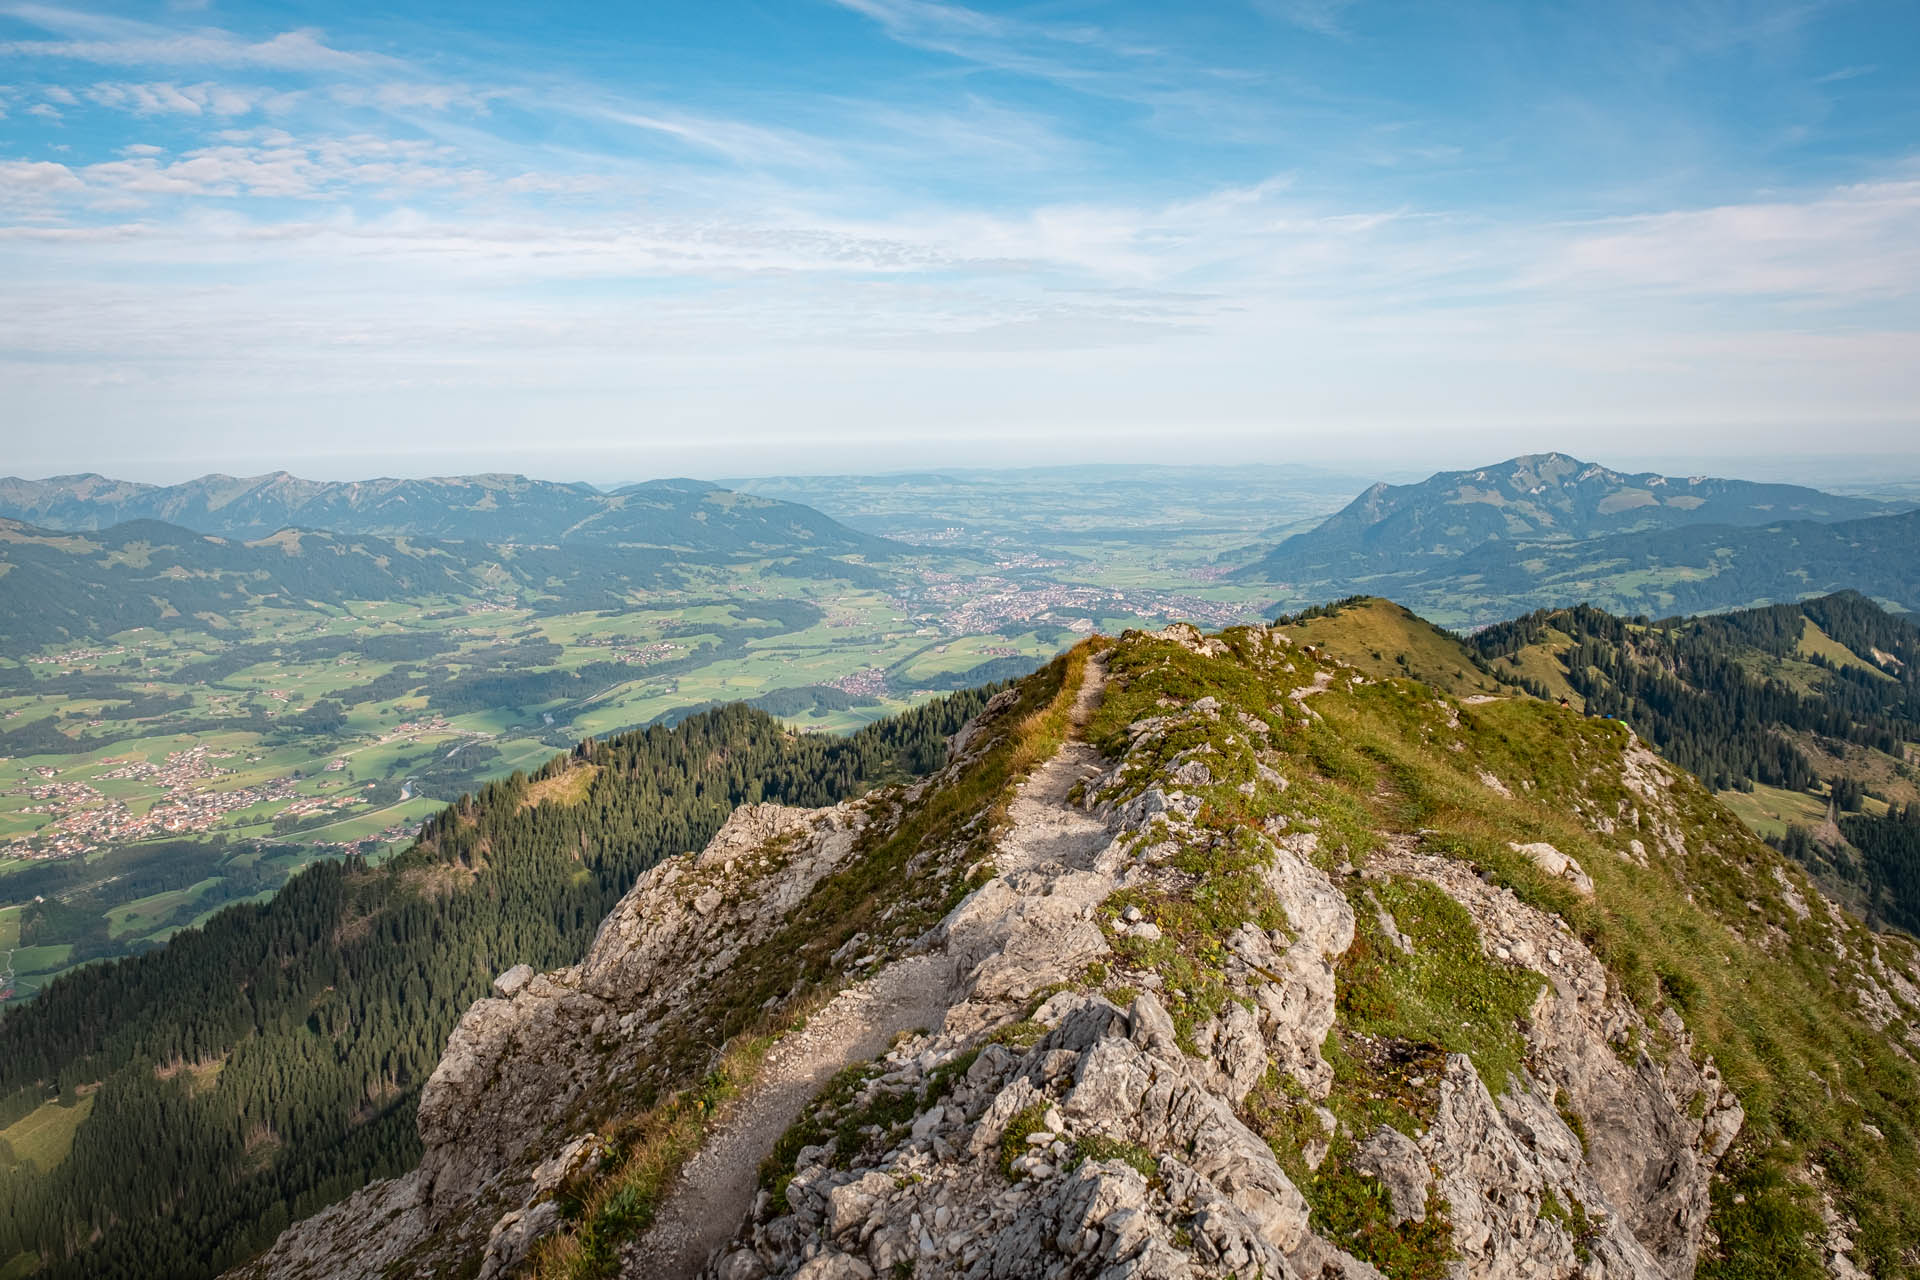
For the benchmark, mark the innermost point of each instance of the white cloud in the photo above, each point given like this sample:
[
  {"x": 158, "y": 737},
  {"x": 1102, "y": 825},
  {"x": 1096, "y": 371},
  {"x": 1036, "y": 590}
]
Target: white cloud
[
  {"x": 402, "y": 95},
  {"x": 45, "y": 110},
  {"x": 36, "y": 175},
  {"x": 1322, "y": 17},
  {"x": 97, "y": 38},
  {"x": 273, "y": 165},
  {"x": 163, "y": 98},
  {"x": 35, "y": 189},
  {"x": 1853, "y": 242}
]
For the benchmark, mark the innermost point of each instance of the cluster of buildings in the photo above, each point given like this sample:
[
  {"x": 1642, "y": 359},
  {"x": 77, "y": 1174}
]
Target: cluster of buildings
[
  {"x": 647, "y": 654},
  {"x": 79, "y": 659},
  {"x": 84, "y": 819},
  {"x": 970, "y": 606},
  {"x": 868, "y": 682}
]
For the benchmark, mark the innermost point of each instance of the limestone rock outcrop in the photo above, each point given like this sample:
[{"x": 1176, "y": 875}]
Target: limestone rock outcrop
[{"x": 1123, "y": 1047}]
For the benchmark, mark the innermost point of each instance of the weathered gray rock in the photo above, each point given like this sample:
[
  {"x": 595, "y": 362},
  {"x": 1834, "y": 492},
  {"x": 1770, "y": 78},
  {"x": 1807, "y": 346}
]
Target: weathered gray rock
[
  {"x": 512, "y": 980},
  {"x": 1103, "y": 1094},
  {"x": 1556, "y": 864},
  {"x": 834, "y": 1266},
  {"x": 521, "y": 1062},
  {"x": 1393, "y": 1157}
]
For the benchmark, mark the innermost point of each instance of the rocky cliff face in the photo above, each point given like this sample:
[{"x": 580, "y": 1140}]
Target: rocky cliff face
[{"x": 1203, "y": 957}]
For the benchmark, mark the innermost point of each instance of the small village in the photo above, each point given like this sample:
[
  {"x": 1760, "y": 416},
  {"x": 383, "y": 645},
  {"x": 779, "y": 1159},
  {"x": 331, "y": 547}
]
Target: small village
[{"x": 84, "y": 819}]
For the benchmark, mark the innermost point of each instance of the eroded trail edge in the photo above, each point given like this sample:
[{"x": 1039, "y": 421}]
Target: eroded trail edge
[{"x": 1049, "y": 839}]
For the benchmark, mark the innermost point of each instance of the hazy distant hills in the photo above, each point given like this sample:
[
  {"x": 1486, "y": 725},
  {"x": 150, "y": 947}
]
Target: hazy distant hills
[
  {"x": 1663, "y": 572},
  {"x": 681, "y": 515},
  {"x": 1536, "y": 498},
  {"x": 59, "y": 586},
  {"x": 1690, "y": 570},
  {"x": 1470, "y": 547}
]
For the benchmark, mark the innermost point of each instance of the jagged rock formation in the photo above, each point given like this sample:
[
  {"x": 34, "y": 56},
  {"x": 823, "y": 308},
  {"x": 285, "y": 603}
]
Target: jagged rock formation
[{"x": 1267, "y": 970}]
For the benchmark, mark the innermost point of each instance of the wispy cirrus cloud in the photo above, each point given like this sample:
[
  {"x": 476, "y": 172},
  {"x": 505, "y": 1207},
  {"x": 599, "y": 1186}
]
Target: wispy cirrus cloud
[
  {"x": 1085, "y": 57},
  {"x": 1852, "y": 243},
  {"x": 1322, "y": 17},
  {"x": 95, "y": 38},
  {"x": 737, "y": 140}
]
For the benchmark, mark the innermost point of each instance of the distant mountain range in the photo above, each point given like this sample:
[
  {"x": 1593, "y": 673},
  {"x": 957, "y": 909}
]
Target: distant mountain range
[
  {"x": 59, "y": 586},
  {"x": 679, "y": 515},
  {"x": 1474, "y": 546}
]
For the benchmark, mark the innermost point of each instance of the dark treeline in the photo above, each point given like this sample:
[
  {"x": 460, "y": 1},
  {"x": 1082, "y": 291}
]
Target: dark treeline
[
  {"x": 1712, "y": 696},
  {"x": 1690, "y": 687},
  {"x": 258, "y": 1068},
  {"x": 1890, "y": 861},
  {"x": 1686, "y": 570}
]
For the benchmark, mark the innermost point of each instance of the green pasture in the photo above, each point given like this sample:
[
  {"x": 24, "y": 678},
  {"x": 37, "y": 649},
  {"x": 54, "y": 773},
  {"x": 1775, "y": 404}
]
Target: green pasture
[
  {"x": 142, "y": 915},
  {"x": 44, "y": 1135}
]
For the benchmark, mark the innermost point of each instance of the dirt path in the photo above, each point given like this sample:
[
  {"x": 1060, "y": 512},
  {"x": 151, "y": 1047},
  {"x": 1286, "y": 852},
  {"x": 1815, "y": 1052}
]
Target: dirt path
[
  {"x": 717, "y": 1186},
  {"x": 716, "y": 1189},
  {"x": 1045, "y": 827}
]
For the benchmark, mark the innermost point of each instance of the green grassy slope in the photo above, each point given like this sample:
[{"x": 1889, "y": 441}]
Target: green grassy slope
[{"x": 1706, "y": 924}]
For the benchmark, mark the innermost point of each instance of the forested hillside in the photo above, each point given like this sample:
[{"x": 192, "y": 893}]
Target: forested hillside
[
  {"x": 268, "y": 1063},
  {"x": 1673, "y": 571},
  {"x": 680, "y": 515},
  {"x": 60, "y": 587},
  {"x": 1819, "y": 699}
]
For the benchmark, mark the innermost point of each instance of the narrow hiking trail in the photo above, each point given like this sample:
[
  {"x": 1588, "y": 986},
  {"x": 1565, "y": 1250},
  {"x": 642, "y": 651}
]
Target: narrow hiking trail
[
  {"x": 1045, "y": 826},
  {"x": 1047, "y": 835},
  {"x": 717, "y": 1186}
]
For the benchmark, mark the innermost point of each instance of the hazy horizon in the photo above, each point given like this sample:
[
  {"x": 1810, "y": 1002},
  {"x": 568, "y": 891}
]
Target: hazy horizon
[{"x": 1835, "y": 470}]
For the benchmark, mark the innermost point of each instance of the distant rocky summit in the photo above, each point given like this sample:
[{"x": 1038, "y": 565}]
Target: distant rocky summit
[{"x": 1201, "y": 957}]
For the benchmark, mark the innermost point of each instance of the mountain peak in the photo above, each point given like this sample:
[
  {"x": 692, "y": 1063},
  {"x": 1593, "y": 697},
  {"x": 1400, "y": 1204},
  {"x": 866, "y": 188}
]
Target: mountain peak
[{"x": 1539, "y": 497}]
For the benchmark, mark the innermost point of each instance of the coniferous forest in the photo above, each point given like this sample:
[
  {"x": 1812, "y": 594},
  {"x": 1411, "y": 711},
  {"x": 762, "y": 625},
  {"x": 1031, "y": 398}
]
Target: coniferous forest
[
  {"x": 1741, "y": 699},
  {"x": 268, "y": 1063}
]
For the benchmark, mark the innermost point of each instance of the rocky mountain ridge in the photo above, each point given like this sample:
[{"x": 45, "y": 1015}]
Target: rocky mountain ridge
[{"x": 1202, "y": 956}]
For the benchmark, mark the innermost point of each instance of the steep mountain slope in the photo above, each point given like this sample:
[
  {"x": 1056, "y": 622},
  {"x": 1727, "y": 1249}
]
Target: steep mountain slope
[
  {"x": 1692, "y": 570},
  {"x": 682, "y": 515},
  {"x": 1790, "y": 709},
  {"x": 69, "y": 586},
  {"x": 268, "y": 1063},
  {"x": 57, "y": 587},
  {"x": 1246, "y": 962},
  {"x": 1535, "y": 498}
]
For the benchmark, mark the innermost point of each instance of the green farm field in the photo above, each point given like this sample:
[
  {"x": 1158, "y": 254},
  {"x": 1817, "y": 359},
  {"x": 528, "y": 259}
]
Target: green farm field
[{"x": 173, "y": 772}]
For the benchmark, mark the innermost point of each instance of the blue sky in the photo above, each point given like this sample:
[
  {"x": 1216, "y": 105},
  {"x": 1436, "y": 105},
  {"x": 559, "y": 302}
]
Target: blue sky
[{"x": 728, "y": 237}]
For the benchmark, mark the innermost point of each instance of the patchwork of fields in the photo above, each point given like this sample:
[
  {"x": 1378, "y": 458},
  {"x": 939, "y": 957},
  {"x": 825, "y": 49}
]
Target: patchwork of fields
[{"x": 165, "y": 774}]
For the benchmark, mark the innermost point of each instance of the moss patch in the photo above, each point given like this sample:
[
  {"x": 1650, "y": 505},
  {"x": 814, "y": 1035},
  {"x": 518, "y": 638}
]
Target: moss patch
[{"x": 1447, "y": 993}]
